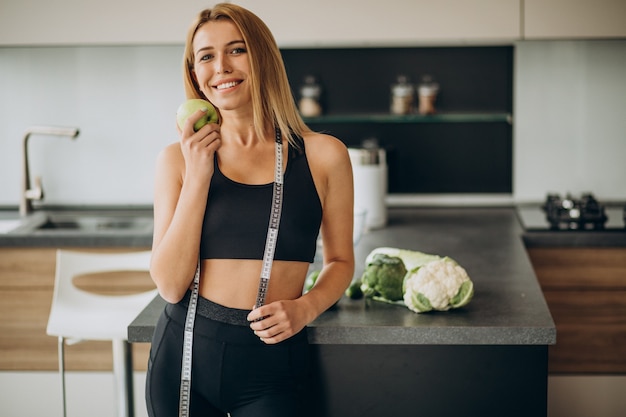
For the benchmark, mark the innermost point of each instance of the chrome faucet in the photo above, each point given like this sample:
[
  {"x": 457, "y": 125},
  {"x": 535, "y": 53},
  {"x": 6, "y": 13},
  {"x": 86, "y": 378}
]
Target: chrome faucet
[{"x": 29, "y": 194}]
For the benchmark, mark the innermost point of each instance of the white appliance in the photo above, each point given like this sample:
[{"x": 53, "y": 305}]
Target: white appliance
[{"x": 369, "y": 166}]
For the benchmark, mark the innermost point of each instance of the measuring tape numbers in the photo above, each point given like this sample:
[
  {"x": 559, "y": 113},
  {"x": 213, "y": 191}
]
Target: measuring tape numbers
[{"x": 266, "y": 269}]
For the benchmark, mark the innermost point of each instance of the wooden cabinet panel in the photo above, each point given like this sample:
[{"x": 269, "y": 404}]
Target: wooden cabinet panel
[
  {"x": 585, "y": 289},
  {"x": 26, "y": 286},
  {"x": 591, "y": 331},
  {"x": 583, "y": 268}
]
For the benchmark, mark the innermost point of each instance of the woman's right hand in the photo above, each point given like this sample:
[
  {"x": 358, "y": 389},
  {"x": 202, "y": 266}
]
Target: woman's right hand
[{"x": 198, "y": 148}]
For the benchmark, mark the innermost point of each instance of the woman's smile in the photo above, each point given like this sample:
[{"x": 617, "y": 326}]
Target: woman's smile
[{"x": 227, "y": 84}]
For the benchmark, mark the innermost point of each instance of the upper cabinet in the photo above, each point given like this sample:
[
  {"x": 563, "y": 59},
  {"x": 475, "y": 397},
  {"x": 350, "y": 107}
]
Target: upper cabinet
[
  {"x": 321, "y": 23},
  {"x": 574, "y": 19},
  {"x": 95, "y": 22},
  {"x": 294, "y": 23},
  {"x": 355, "y": 23}
]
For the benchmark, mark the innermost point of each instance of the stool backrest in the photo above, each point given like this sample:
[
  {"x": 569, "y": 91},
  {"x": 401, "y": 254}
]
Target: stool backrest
[{"x": 79, "y": 314}]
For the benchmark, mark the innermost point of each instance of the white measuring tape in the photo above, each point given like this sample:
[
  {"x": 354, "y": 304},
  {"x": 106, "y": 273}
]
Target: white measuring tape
[{"x": 268, "y": 259}]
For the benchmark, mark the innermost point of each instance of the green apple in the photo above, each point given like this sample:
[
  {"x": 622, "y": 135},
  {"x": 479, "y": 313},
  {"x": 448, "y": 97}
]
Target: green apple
[{"x": 190, "y": 106}]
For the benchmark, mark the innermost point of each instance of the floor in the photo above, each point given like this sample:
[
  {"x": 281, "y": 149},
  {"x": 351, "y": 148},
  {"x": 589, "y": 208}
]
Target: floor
[
  {"x": 91, "y": 394},
  {"x": 88, "y": 394}
]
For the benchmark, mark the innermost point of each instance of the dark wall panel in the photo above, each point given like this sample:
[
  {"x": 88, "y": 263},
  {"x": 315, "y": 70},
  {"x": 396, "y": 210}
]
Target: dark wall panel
[{"x": 423, "y": 157}]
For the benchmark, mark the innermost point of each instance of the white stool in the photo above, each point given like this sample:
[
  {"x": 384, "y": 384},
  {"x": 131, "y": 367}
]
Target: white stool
[{"x": 78, "y": 315}]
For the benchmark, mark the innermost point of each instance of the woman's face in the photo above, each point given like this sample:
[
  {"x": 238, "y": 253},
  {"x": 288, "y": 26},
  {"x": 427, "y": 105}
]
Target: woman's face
[{"x": 221, "y": 66}]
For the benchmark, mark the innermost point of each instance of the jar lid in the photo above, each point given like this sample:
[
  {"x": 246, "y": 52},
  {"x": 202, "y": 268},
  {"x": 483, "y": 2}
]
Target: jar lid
[
  {"x": 310, "y": 91},
  {"x": 310, "y": 88},
  {"x": 428, "y": 86},
  {"x": 402, "y": 88}
]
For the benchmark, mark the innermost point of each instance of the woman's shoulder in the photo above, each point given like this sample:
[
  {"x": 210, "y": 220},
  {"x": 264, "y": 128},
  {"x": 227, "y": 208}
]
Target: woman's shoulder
[
  {"x": 170, "y": 159},
  {"x": 326, "y": 154},
  {"x": 323, "y": 145},
  {"x": 171, "y": 152}
]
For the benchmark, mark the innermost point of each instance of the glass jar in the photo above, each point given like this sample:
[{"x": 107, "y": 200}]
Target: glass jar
[
  {"x": 310, "y": 93},
  {"x": 427, "y": 93},
  {"x": 401, "y": 96}
]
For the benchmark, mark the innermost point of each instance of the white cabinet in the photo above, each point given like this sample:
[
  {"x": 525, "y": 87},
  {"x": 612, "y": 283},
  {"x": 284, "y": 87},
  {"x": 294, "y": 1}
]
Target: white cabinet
[
  {"x": 95, "y": 22},
  {"x": 389, "y": 22},
  {"x": 574, "y": 19},
  {"x": 352, "y": 23},
  {"x": 294, "y": 23}
]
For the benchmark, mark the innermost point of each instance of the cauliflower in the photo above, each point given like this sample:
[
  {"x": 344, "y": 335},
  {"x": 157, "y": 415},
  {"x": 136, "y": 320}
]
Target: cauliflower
[
  {"x": 431, "y": 283},
  {"x": 383, "y": 278},
  {"x": 437, "y": 285}
]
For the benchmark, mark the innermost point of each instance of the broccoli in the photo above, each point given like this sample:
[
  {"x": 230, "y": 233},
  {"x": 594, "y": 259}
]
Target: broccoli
[
  {"x": 383, "y": 277},
  {"x": 437, "y": 285}
]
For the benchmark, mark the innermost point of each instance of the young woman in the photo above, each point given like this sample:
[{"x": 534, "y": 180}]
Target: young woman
[{"x": 212, "y": 203}]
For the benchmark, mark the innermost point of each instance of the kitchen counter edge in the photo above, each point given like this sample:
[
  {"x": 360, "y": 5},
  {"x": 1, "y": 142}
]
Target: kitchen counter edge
[{"x": 508, "y": 306}]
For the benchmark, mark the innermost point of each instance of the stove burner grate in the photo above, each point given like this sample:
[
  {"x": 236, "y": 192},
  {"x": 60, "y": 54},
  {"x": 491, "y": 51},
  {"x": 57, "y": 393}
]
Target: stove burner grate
[{"x": 584, "y": 213}]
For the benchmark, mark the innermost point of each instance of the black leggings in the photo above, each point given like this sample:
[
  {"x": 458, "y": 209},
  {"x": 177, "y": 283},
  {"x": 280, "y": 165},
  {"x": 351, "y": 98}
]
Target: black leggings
[{"x": 232, "y": 370}]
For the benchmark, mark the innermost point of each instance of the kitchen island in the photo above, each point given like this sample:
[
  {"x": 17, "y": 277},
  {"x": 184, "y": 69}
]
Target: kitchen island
[{"x": 488, "y": 358}]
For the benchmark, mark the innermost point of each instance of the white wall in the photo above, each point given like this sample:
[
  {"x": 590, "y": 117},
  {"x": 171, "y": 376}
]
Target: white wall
[
  {"x": 569, "y": 124},
  {"x": 570, "y": 118},
  {"x": 124, "y": 101}
]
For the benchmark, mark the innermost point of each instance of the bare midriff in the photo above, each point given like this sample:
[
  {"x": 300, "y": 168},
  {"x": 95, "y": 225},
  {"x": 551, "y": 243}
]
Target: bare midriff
[{"x": 235, "y": 282}]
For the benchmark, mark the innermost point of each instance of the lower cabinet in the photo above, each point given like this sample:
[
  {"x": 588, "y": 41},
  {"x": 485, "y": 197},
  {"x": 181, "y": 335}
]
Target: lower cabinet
[
  {"x": 585, "y": 289},
  {"x": 26, "y": 287}
]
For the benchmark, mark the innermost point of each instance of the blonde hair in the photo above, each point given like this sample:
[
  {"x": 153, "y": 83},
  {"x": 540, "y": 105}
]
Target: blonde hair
[{"x": 272, "y": 101}]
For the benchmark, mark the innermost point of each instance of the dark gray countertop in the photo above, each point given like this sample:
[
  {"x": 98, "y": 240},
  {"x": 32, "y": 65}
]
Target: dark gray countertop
[
  {"x": 28, "y": 236},
  {"x": 575, "y": 239},
  {"x": 76, "y": 240},
  {"x": 508, "y": 306},
  {"x": 537, "y": 232}
]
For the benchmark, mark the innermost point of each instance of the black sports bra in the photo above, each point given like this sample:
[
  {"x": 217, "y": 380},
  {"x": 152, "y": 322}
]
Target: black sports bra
[{"x": 237, "y": 215}]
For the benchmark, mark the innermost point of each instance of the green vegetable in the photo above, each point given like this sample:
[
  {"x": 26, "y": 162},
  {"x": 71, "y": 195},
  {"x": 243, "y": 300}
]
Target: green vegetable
[
  {"x": 464, "y": 296},
  {"x": 354, "y": 291},
  {"x": 309, "y": 282},
  {"x": 383, "y": 277},
  {"x": 432, "y": 283}
]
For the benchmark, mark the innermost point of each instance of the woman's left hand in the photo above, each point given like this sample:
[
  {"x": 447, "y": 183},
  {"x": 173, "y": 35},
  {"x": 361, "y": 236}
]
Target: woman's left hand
[{"x": 279, "y": 320}]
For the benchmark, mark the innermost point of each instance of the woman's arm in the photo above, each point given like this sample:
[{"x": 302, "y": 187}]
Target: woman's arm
[
  {"x": 183, "y": 175},
  {"x": 332, "y": 172},
  {"x": 330, "y": 162}
]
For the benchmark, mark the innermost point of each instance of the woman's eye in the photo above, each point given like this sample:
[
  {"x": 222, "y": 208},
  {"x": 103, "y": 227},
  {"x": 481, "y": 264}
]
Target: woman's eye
[
  {"x": 206, "y": 57},
  {"x": 238, "y": 51}
]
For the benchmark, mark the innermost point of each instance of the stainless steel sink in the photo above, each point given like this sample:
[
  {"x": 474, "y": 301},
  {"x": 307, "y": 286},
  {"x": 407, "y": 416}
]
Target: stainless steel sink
[
  {"x": 85, "y": 222},
  {"x": 91, "y": 223}
]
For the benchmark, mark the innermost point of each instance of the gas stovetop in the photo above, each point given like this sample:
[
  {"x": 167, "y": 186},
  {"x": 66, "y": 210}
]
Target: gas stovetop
[{"x": 571, "y": 213}]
